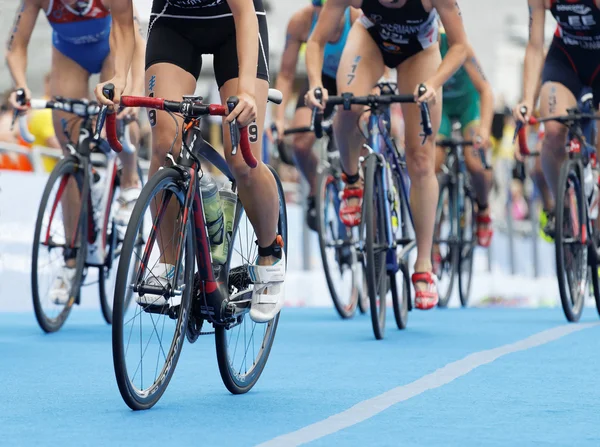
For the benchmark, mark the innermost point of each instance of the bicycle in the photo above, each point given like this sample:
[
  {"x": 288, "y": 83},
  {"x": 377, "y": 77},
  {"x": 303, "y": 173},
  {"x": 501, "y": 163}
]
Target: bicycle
[
  {"x": 337, "y": 243},
  {"x": 387, "y": 223},
  {"x": 219, "y": 294},
  {"x": 94, "y": 241},
  {"x": 455, "y": 223},
  {"x": 576, "y": 238}
]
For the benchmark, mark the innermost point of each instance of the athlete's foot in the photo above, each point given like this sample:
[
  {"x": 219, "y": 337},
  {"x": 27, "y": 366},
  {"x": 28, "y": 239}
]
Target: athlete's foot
[
  {"x": 311, "y": 213},
  {"x": 268, "y": 277},
  {"x": 426, "y": 290},
  {"x": 547, "y": 225},
  {"x": 352, "y": 197},
  {"x": 484, "y": 227},
  {"x": 125, "y": 203},
  {"x": 61, "y": 288},
  {"x": 436, "y": 259}
]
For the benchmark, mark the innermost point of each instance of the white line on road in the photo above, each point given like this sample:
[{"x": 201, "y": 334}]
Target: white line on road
[{"x": 452, "y": 371}]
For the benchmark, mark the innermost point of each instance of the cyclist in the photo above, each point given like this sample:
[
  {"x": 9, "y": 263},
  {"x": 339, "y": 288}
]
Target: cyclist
[
  {"x": 572, "y": 63},
  {"x": 469, "y": 98},
  {"x": 235, "y": 31},
  {"x": 399, "y": 34},
  {"x": 300, "y": 26},
  {"x": 80, "y": 41}
]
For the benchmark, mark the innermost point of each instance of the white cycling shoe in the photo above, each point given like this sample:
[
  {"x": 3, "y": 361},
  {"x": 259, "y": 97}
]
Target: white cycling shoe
[
  {"x": 269, "y": 284},
  {"x": 61, "y": 288},
  {"x": 125, "y": 203},
  {"x": 161, "y": 275}
]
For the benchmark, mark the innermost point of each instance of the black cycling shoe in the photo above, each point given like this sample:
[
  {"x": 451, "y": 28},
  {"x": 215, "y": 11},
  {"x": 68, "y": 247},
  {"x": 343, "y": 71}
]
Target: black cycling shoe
[{"x": 311, "y": 213}]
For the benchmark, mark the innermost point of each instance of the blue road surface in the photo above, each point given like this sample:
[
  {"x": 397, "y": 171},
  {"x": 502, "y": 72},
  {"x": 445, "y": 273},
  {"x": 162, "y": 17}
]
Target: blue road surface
[{"x": 60, "y": 390}]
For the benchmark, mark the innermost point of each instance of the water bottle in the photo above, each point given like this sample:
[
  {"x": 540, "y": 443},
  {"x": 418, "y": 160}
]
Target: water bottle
[
  {"x": 95, "y": 255},
  {"x": 213, "y": 214},
  {"x": 228, "y": 203}
]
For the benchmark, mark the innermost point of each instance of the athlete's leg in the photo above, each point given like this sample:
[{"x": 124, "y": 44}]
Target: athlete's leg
[
  {"x": 303, "y": 144},
  {"x": 481, "y": 177},
  {"x": 420, "y": 158},
  {"x": 360, "y": 68},
  {"x": 444, "y": 132},
  {"x": 256, "y": 187},
  {"x": 166, "y": 80},
  {"x": 70, "y": 80}
]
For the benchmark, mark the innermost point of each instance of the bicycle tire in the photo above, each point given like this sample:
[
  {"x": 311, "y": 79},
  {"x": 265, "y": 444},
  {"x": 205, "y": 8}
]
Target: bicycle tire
[
  {"x": 167, "y": 179},
  {"x": 68, "y": 166},
  {"x": 450, "y": 259},
  {"x": 363, "y": 289},
  {"x": 373, "y": 217},
  {"x": 327, "y": 205},
  {"x": 401, "y": 307},
  {"x": 570, "y": 176},
  {"x": 235, "y": 382},
  {"x": 112, "y": 254},
  {"x": 466, "y": 249}
]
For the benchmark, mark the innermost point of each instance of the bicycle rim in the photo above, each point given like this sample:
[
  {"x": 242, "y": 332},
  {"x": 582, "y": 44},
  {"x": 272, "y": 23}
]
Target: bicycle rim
[
  {"x": 337, "y": 246},
  {"x": 49, "y": 242},
  {"x": 148, "y": 337},
  {"x": 243, "y": 350}
]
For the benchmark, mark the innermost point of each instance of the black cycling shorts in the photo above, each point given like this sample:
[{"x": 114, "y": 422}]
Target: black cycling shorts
[
  {"x": 329, "y": 83},
  {"x": 183, "y": 41},
  {"x": 575, "y": 69}
]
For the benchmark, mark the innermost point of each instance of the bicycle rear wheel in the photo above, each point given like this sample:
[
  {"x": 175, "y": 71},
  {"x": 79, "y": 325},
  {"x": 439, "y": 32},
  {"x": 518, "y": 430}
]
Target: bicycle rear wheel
[
  {"x": 147, "y": 337},
  {"x": 445, "y": 241},
  {"x": 401, "y": 298},
  {"x": 336, "y": 244},
  {"x": 50, "y": 242},
  {"x": 376, "y": 243},
  {"x": 468, "y": 242},
  {"x": 241, "y": 365},
  {"x": 571, "y": 250}
]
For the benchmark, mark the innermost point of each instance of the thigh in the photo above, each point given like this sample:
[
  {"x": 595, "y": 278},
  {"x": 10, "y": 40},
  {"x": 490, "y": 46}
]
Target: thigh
[
  {"x": 302, "y": 118},
  {"x": 255, "y": 130},
  {"x": 168, "y": 81},
  {"x": 70, "y": 80},
  {"x": 555, "y": 99},
  {"x": 411, "y": 73},
  {"x": 361, "y": 64}
]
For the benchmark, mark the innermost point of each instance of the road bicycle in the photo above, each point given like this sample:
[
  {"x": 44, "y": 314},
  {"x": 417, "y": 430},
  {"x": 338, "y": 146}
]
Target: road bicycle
[
  {"x": 93, "y": 237},
  {"x": 386, "y": 228},
  {"x": 200, "y": 290},
  {"x": 337, "y": 243},
  {"x": 576, "y": 235}
]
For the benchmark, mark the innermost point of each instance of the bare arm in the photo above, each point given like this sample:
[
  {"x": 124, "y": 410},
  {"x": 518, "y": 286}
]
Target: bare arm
[
  {"x": 331, "y": 14},
  {"x": 484, "y": 88},
  {"x": 294, "y": 39},
  {"x": 534, "y": 53},
  {"x": 18, "y": 40},
  {"x": 138, "y": 66},
  {"x": 246, "y": 25},
  {"x": 451, "y": 18},
  {"x": 122, "y": 46}
]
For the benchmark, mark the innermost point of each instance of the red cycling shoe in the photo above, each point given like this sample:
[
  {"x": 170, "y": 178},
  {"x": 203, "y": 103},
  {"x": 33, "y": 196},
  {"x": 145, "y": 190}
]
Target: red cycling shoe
[
  {"x": 350, "y": 215},
  {"x": 484, "y": 230},
  {"x": 428, "y": 298}
]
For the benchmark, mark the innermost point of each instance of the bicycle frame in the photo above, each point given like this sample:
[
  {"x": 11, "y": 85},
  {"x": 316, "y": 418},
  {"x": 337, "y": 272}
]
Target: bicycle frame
[{"x": 212, "y": 288}]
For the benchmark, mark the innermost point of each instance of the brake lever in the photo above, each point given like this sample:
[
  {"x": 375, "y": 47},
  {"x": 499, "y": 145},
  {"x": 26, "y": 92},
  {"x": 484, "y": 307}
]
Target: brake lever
[{"x": 22, "y": 100}]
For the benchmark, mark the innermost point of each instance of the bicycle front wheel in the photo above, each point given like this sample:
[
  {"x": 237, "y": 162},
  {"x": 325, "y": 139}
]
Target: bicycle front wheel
[
  {"x": 51, "y": 241},
  {"x": 468, "y": 242},
  {"x": 148, "y": 334},
  {"x": 376, "y": 245},
  {"x": 338, "y": 250},
  {"x": 571, "y": 250},
  {"x": 445, "y": 242},
  {"x": 243, "y": 349}
]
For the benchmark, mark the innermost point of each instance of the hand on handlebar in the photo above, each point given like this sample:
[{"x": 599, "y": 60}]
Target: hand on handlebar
[
  {"x": 311, "y": 98},
  {"x": 425, "y": 93},
  {"x": 17, "y": 103},
  {"x": 522, "y": 112},
  {"x": 275, "y": 131},
  {"x": 245, "y": 111},
  {"x": 119, "y": 87}
]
